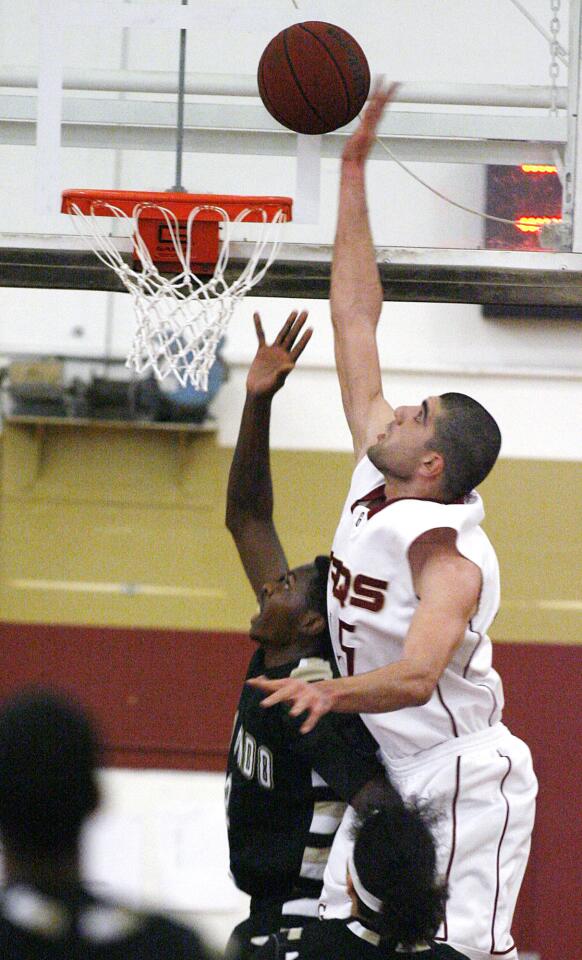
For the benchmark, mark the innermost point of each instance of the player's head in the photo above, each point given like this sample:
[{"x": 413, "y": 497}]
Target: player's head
[
  {"x": 293, "y": 609},
  {"x": 441, "y": 448},
  {"x": 469, "y": 440},
  {"x": 48, "y": 756},
  {"x": 393, "y": 873}
]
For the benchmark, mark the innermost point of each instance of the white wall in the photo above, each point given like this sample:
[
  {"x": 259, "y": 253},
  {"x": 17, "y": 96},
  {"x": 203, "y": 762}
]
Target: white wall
[
  {"x": 528, "y": 372},
  {"x": 159, "y": 842}
]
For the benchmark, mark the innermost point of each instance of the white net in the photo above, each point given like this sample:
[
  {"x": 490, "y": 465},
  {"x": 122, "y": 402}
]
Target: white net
[{"x": 180, "y": 319}]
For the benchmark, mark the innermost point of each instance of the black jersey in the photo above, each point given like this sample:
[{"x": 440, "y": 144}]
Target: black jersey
[
  {"x": 82, "y": 927},
  {"x": 344, "y": 940},
  {"x": 286, "y": 791}
]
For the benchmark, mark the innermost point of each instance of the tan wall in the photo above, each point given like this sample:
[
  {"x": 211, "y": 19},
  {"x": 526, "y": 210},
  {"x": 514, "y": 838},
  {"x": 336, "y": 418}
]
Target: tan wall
[
  {"x": 124, "y": 527},
  {"x": 85, "y": 511}
]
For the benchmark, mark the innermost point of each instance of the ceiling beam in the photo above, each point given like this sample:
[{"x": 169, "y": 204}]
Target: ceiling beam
[{"x": 411, "y": 275}]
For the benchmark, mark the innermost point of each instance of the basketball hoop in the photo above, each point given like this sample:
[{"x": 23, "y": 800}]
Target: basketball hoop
[{"x": 181, "y": 316}]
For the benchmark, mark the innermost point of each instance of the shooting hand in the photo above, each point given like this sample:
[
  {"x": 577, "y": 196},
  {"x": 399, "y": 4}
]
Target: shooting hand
[{"x": 361, "y": 141}]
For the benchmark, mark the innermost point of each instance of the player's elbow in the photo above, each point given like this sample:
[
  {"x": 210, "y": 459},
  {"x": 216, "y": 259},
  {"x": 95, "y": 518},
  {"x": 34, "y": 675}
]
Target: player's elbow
[
  {"x": 423, "y": 693},
  {"x": 420, "y": 688},
  {"x": 417, "y": 694},
  {"x": 237, "y": 521}
]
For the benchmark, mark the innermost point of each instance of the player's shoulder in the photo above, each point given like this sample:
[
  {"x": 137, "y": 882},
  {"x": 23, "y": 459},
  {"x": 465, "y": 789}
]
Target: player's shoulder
[
  {"x": 104, "y": 921},
  {"x": 365, "y": 478},
  {"x": 311, "y": 669},
  {"x": 105, "y": 929},
  {"x": 311, "y": 942},
  {"x": 256, "y": 664},
  {"x": 410, "y": 518}
]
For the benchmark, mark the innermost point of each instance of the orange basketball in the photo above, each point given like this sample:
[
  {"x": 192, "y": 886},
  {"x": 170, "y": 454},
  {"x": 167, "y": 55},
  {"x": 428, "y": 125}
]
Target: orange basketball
[{"x": 313, "y": 77}]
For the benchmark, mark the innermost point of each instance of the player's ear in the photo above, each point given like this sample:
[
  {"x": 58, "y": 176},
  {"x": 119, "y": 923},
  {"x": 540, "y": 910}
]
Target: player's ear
[
  {"x": 311, "y": 623},
  {"x": 432, "y": 465}
]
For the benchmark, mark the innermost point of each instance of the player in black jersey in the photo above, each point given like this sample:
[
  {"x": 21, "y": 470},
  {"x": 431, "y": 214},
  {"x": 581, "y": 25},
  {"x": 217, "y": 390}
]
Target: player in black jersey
[
  {"x": 48, "y": 756},
  {"x": 397, "y": 899},
  {"x": 286, "y": 792}
]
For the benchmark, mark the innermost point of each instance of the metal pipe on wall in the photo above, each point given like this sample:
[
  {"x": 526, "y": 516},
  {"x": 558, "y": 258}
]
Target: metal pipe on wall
[{"x": 245, "y": 85}]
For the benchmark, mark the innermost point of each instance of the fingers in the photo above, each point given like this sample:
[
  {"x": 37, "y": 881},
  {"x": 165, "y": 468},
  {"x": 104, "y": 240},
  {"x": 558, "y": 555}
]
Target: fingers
[
  {"x": 304, "y": 704},
  {"x": 380, "y": 96},
  {"x": 383, "y": 93},
  {"x": 259, "y": 329},
  {"x": 281, "y": 691},
  {"x": 284, "y": 331},
  {"x": 289, "y": 332},
  {"x": 311, "y": 704},
  {"x": 303, "y": 697},
  {"x": 291, "y": 328},
  {"x": 261, "y": 682},
  {"x": 312, "y": 720},
  {"x": 272, "y": 688},
  {"x": 297, "y": 350},
  {"x": 295, "y": 329}
]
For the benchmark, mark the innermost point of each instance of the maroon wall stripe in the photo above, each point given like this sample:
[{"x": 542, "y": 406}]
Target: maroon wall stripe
[{"x": 166, "y": 699}]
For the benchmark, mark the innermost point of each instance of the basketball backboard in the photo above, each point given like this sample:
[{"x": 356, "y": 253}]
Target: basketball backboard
[
  {"x": 104, "y": 111},
  {"x": 88, "y": 99}
]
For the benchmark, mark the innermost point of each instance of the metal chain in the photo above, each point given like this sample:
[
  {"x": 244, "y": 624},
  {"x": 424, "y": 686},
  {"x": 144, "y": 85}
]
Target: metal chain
[{"x": 554, "y": 52}]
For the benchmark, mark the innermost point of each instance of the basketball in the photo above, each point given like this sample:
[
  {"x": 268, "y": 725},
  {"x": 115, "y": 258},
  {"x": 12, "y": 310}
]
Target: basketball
[{"x": 313, "y": 77}]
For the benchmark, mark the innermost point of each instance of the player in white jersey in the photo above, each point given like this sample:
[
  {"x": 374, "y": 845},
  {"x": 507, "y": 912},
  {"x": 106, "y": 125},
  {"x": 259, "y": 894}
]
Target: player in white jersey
[
  {"x": 414, "y": 587},
  {"x": 372, "y": 597}
]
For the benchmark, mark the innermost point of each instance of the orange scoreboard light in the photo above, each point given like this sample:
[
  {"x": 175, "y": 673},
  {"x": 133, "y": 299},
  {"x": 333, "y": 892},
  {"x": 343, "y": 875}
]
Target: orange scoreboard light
[{"x": 530, "y": 196}]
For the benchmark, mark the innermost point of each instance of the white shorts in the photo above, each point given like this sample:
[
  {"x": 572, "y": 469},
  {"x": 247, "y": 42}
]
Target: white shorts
[{"x": 484, "y": 786}]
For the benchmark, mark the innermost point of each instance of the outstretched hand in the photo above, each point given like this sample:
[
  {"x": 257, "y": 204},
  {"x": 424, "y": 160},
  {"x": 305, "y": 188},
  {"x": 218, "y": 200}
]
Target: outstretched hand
[
  {"x": 360, "y": 143},
  {"x": 313, "y": 698},
  {"x": 274, "y": 362}
]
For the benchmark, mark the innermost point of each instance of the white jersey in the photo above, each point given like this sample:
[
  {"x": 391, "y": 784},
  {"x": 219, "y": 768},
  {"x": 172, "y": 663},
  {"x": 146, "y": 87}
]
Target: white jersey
[{"x": 371, "y": 602}]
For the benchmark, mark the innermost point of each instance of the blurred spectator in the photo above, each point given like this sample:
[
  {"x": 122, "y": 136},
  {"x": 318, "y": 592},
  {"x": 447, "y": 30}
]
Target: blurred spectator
[{"x": 48, "y": 788}]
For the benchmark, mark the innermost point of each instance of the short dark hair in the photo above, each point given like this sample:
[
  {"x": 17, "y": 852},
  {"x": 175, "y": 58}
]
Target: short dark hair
[
  {"x": 469, "y": 440},
  {"x": 48, "y": 757},
  {"x": 395, "y": 858}
]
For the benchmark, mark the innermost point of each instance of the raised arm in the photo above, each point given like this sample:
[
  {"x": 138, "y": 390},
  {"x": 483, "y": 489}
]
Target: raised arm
[
  {"x": 249, "y": 505},
  {"x": 356, "y": 291}
]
